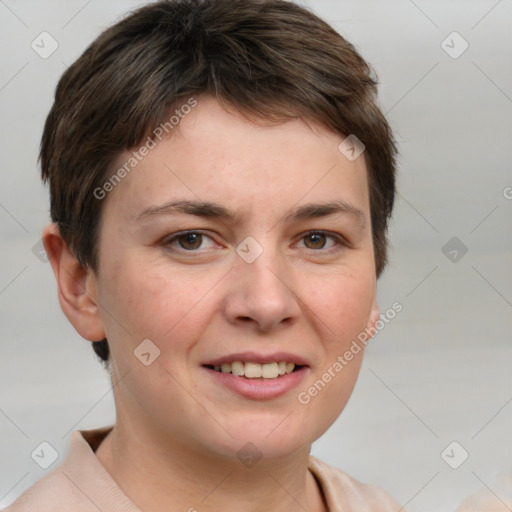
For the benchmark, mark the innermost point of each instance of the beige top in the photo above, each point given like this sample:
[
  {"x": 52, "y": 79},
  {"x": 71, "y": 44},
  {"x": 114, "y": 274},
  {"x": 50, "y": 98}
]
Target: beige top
[
  {"x": 82, "y": 484},
  {"x": 496, "y": 498}
]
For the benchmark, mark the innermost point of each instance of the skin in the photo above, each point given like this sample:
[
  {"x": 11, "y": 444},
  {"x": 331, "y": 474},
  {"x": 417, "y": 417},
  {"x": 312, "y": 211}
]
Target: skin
[
  {"x": 177, "y": 430},
  {"x": 497, "y": 499}
]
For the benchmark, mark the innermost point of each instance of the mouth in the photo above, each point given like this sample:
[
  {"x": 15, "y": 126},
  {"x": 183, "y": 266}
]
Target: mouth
[
  {"x": 253, "y": 370},
  {"x": 257, "y": 376}
]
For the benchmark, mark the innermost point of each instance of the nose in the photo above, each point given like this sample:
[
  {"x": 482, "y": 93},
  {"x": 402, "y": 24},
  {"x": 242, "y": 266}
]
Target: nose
[{"x": 261, "y": 294}]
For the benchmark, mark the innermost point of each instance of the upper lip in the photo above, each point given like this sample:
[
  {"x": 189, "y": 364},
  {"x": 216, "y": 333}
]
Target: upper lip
[{"x": 254, "y": 357}]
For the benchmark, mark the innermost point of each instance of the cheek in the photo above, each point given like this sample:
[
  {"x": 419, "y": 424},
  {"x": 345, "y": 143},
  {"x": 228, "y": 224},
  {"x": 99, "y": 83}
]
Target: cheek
[
  {"x": 343, "y": 300},
  {"x": 343, "y": 307},
  {"x": 148, "y": 300}
]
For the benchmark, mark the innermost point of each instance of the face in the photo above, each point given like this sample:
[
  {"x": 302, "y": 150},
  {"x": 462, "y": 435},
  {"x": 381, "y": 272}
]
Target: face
[{"x": 218, "y": 248}]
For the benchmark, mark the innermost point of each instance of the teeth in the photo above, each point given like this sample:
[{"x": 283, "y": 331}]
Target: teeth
[
  {"x": 269, "y": 371},
  {"x": 255, "y": 370},
  {"x": 252, "y": 370},
  {"x": 237, "y": 368}
]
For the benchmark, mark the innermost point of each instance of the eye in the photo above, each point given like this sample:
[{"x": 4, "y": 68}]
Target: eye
[
  {"x": 193, "y": 241},
  {"x": 317, "y": 240},
  {"x": 188, "y": 241}
]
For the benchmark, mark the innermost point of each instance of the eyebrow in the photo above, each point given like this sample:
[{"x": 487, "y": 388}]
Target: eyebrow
[{"x": 217, "y": 211}]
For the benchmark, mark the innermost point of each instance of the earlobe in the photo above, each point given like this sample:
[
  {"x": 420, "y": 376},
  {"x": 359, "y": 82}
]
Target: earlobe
[
  {"x": 373, "y": 318},
  {"x": 76, "y": 286}
]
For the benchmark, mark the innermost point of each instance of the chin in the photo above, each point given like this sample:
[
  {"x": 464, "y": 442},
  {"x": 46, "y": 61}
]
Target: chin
[{"x": 256, "y": 439}]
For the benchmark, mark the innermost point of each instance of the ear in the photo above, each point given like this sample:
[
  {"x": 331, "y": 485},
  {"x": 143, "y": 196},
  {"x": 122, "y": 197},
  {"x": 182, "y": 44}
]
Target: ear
[
  {"x": 373, "y": 318},
  {"x": 76, "y": 285}
]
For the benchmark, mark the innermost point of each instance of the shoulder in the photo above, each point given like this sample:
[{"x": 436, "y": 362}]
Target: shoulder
[
  {"x": 344, "y": 492},
  {"x": 497, "y": 500},
  {"x": 79, "y": 484},
  {"x": 52, "y": 493}
]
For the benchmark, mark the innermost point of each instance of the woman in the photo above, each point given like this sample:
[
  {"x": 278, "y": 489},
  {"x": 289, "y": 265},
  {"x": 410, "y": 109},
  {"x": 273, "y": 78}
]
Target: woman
[{"x": 221, "y": 181}]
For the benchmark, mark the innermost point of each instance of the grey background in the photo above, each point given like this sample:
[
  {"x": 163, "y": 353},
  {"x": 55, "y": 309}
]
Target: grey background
[{"x": 439, "y": 372}]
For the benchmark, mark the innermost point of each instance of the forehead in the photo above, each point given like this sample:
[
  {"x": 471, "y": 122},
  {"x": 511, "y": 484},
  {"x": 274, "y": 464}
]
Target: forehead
[{"x": 214, "y": 155}]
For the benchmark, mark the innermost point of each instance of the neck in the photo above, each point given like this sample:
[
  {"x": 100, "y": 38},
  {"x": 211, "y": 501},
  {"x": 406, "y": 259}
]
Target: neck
[{"x": 171, "y": 477}]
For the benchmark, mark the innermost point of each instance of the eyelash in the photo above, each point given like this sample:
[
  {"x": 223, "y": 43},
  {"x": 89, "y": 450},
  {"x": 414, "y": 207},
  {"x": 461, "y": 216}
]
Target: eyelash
[{"x": 341, "y": 242}]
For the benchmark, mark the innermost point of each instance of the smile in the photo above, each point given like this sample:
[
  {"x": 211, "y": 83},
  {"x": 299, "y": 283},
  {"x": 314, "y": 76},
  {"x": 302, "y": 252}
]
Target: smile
[
  {"x": 258, "y": 376},
  {"x": 252, "y": 370}
]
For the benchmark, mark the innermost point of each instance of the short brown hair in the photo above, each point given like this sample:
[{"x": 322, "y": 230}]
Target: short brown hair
[{"x": 270, "y": 59}]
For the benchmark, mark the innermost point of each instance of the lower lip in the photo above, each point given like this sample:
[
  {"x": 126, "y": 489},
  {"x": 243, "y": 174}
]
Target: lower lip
[{"x": 259, "y": 389}]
